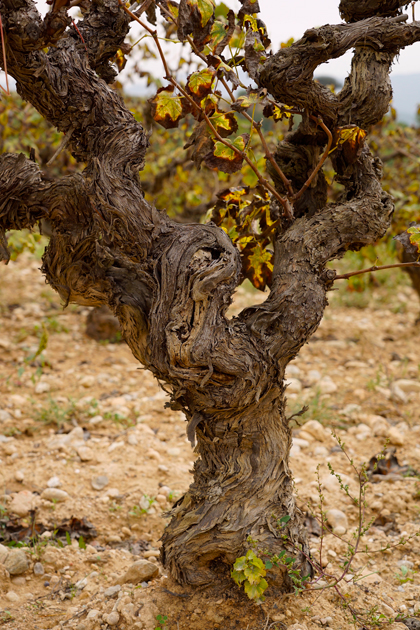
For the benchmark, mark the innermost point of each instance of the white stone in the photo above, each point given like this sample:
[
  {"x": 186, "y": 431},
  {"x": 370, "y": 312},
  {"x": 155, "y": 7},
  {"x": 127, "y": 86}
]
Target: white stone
[
  {"x": 87, "y": 381},
  {"x": 54, "y": 494},
  {"x": 395, "y": 437},
  {"x": 22, "y": 503},
  {"x": 19, "y": 475},
  {"x": 42, "y": 387},
  {"x": 85, "y": 453},
  {"x": 54, "y": 482},
  {"x": 294, "y": 451},
  {"x": 398, "y": 395},
  {"x": 315, "y": 428},
  {"x": 292, "y": 371},
  {"x": 337, "y": 518},
  {"x": 12, "y": 596},
  {"x": 113, "y": 618},
  {"x": 132, "y": 440},
  {"x": 408, "y": 386},
  {"x": 351, "y": 410},
  {"x": 114, "y": 446},
  {"x": 327, "y": 386},
  {"x": 4, "y": 415},
  {"x": 321, "y": 451},
  {"x": 96, "y": 420},
  {"x": 294, "y": 386},
  {"x": 300, "y": 442},
  {"x": 4, "y": 552},
  {"x": 313, "y": 376}
]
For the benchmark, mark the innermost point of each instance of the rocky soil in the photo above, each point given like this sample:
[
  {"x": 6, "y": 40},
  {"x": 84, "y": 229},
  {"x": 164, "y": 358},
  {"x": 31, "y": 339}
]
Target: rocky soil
[{"x": 91, "y": 461}]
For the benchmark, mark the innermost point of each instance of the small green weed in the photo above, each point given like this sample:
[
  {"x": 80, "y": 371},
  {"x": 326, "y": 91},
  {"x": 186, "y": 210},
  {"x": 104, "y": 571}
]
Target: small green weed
[
  {"x": 161, "y": 619},
  {"x": 405, "y": 575},
  {"x": 55, "y": 414},
  {"x": 143, "y": 507}
]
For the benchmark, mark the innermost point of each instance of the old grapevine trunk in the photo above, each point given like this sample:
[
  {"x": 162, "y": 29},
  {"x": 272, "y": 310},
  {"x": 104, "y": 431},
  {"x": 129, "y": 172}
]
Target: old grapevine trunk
[{"x": 170, "y": 284}]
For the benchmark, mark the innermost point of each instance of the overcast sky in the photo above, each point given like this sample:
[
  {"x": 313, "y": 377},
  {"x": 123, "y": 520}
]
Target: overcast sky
[{"x": 286, "y": 18}]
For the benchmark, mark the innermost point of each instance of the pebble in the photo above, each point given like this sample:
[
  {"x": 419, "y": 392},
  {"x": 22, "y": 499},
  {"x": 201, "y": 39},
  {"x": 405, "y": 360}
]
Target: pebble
[
  {"x": 294, "y": 451},
  {"x": 54, "y": 482},
  {"x": 351, "y": 410},
  {"x": 85, "y": 453},
  {"x": 12, "y": 596},
  {"x": 100, "y": 482},
  {"x": 162, "y": 468},
  {"x": 379, "y": 426},
  {"x": 337, "y": 519},
  {"x": 9, "y": 448},
  {"x": 395, "y": 437},
  {"x": 321, "y": 451},
  {"x": 38, "y": 569},
  {"x": 96, "y": 420},
  {"x": 113, "y": 618},
  {"x": 140, "y": 571},
  {"x": 294, "y": 386},
  {"x": 4, "y": 552},
  {"x": 114, "y": 446},
  {"x": 54, "y": 494},
  {"x": 4, "y": 415},
  {"x": 408, "y": 386},
  {"x": 132, "y": 440},
  {"x": 315, "y": 428},
  {"x": 16, "y": 562},
  {"x": 18, "y": 581},
  {"x": 87, "y": 381},
  {"x": 93, "y": 615},
  {"x": 398, "y": 395},
  {"x": 42, "y": 387},
  {"x": 298, "y": 626},
  {"x": 154, "y": 455},
  {"x": 292, "y": 371},
  {"x": 313, "y": 376},
  {"x": 326, "y": 385},
  {"x": 174, "y": 451},
  {"x": 112, "y": 591},
  {"x": 22, "y": 503},
  {"x": 19, "y": 476}
]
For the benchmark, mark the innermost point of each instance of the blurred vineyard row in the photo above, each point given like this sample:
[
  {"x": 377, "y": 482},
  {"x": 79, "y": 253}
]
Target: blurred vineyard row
[{"x": 173, "y": 182}]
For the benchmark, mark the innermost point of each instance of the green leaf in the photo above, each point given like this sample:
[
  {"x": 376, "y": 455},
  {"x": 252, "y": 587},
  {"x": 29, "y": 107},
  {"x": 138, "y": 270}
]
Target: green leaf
[
  {"x": 268, "y": 565},
  {"x": 166, "y": 107},
  {"x": 225, "y": 123},
  {"x": 224, "y": 158},
  {"x": 205, "y": 8},
  {"x": 68, "y": 538},
  {"x": 285, "y": 519},
  {"x": 414, "y": 236},
  {"x": 240, "y": 563},
  {"x": 82, "y": 544},
  {"x": 254, "y": 573},
  {"x": 238, "y": 576},
  {"x": 200, "y": 83}
]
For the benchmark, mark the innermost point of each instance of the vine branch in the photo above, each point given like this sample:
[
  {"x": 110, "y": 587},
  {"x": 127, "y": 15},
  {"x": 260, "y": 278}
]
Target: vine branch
[{"x": 346, "y": 276}]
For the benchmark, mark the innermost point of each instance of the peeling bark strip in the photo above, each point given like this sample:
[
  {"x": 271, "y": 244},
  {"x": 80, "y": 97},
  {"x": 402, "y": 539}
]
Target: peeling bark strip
[{"x": 170, "y": 284}]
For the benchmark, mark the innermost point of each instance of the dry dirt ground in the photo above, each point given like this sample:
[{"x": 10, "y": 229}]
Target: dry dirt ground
[{"x": 90, "y": 461}]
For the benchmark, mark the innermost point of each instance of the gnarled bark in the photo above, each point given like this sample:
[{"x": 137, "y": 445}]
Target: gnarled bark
[{"x": 170, "y": 284}]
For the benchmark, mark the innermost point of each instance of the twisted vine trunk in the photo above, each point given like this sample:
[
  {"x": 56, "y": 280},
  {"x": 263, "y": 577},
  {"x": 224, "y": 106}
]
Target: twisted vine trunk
[{"x": 170, "y": 285}]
